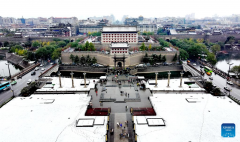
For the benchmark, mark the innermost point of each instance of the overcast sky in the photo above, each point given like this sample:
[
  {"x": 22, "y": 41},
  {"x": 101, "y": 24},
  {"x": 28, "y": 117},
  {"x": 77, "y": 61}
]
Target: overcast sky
[{"x": 134, "y": 8}]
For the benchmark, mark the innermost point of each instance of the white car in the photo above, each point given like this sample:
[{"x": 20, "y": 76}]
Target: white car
[
  {"x": 226, "y": 88},
  {"x": 29, "y": 81},
  {"x": 211, "y": 78},
  {"x": 42, "y": 69},
  {"x": 194, "y": 64},
  {"x": 37, "y": 68},
  {"x": 51, "y": 63},
  {"x": 41, "y": 65},
  {"x": 230, "y": 82}
]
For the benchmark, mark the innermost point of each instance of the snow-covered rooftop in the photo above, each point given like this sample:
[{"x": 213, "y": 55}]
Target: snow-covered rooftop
[
  {"x": 120, "y": 44},
  {"x": 173, "y": 85},
  {"x": 186, "y": 121},
  {"x": 67, "y": 84},
  {"x": 49, "y": 118},
  {"x": 119, "y": 29}
]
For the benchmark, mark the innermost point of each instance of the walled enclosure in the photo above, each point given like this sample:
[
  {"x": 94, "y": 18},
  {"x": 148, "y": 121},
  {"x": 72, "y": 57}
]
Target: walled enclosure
[{"x": 104, "y": 59}]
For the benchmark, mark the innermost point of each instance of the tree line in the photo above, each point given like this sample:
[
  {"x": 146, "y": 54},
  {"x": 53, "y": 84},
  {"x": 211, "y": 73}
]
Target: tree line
[{"x": 82, "y": 59}]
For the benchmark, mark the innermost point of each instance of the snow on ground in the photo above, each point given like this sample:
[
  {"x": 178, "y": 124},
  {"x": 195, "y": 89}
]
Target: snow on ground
[
  {"x": 173, "y": 85},
  {"x": 67, "y": 84},
  {"x": 200, "y": 121},
  {"x": 48, "y": 118}
]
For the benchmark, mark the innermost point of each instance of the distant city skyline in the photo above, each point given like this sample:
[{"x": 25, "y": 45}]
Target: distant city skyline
[{"x": 83, "y": 9}]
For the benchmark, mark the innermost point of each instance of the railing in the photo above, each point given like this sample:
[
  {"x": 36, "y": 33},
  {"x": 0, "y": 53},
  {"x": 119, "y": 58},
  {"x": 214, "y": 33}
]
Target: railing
[
  {"x": 26, "y": 70},
  {"x": 47, "y": 70}
]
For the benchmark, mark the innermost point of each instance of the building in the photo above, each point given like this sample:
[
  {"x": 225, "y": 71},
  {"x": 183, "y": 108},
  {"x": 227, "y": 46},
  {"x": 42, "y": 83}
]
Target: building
[
  {"x": 147, "y": 28},
  {"x": 119, "y": 34},
  {"x": 92, "y": 26}
]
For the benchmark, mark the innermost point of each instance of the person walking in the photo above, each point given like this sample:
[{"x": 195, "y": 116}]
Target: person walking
[{"x": 128, "y": 95}]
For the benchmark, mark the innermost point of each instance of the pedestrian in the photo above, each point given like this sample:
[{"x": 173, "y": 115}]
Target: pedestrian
[
  {"x": 128, "y": 95},
  {"x": 117, "y": 124},
  {"x": 122, "y": 130},
  {"x": 120, "y": 124}
]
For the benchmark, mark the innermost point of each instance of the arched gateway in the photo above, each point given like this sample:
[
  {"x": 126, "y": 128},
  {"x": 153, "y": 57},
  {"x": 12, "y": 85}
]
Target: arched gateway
[{"x": 120, "y": 50}]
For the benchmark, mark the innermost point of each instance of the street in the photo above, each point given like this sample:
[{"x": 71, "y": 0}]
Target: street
[
  {"x": 221, "y": 83},
  {"x": 21, "y": 83}
]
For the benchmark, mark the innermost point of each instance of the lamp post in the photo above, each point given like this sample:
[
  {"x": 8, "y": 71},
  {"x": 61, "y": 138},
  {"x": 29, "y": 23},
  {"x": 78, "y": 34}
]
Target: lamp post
[
  {"x": 168, "y": 78},
  {"x": 59, "y": 74},
  {"x": 156, "y": 79},
  {"x": 9, "y": 70},
  {"x": 72, "y": 79},
  {"x": 181, "y": 79},
  {"x": 84, "y": 79},
  {"x": 229, "y": 67}
]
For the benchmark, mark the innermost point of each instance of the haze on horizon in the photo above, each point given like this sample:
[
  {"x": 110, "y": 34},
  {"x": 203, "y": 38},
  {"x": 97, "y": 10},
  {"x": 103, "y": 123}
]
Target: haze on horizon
[{"x": 83, "y": 9}]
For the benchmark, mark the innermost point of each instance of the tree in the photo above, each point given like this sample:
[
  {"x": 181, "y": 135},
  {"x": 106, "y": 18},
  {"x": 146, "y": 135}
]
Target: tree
[
  {"x": 62, "y": 43},
  {"x": 6, "y": 43},
  {"x": 149, "y": 47},
  {"x": 72, "y": 57},
  {"x": 76, "y": 59},
  {"x": 230, "y": 40},
  {"x": 211, "y": 58},
  {"x": 164, "y": 58},
  {"x": 142, "y": 47},
  {"x": 160, "y": 58},
  {"x": 183, "y": 54},
  {"x": 87, "y": 45},
  {"x": 83, "y": 59},
  {"x": 208, "y": 86},
  {"x": 236, "y": 69},
  {"x": 175, "y": 58},
  {"x": 215, "y": 48},
  {"x": 88, "y": 59},
  {"x": 146, "y": 55},
  {"x": 216, "y": 92},
  {"x": 94, "y": 60},
  {"x": 91, "y": 47},
  {"x": 57, "y": 53},
  {"x": 56, "y": 39},
  {"x": 36, "y": 44}
]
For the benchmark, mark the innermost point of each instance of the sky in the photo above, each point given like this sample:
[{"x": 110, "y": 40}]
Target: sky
[{"x": 83, "y": 9}]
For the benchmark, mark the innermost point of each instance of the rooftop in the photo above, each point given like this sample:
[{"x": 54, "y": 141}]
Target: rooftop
[
  {"x": 198, "y": 116},
  {"x": 119, "y": 44},
  {"x": 119, "y": 29},
  {"x": 49, "y": 118}
]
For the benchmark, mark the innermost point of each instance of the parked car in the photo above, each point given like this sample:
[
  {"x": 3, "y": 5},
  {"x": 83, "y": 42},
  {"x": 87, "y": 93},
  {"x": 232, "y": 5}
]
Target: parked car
[
  {"x": 140, "y": 66},
  {"x": 230, "y": 82},
  {"x": 51, "y": 63},
  {"x": 29, "y": 81},
  {"x": 13, "y": 82},
  {"x": 211, "y": 78},
  {"x": 42, "y": 69},
  {"x": 33, "y": 73},
  {"x": 201, "y": 66},
  {"x": 226, "y": 88},
  {"x": 37, "y": 68},
  {"x": 194, "y": 64},
  {"x": 41, "y": 65},
  {"x": 214, "y": 86}
]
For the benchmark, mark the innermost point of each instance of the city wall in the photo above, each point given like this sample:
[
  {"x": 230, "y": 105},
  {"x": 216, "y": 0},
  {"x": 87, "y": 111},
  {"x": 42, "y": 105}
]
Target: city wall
[{"x": 105, "y": 59}]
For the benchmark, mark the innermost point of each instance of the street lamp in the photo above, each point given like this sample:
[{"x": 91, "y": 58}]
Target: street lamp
[
  {"x": 169, "y": 73},
  {"x": 156, "y": 79},
  {"x": 72, "y": 79},
  {"x": 59, "y": 74},
  {"x": 181, "y": 78},
  {"x": 229, "y": 67},
  {"x": 9, "y": 70},
  {"x": 84, "y": 79}
]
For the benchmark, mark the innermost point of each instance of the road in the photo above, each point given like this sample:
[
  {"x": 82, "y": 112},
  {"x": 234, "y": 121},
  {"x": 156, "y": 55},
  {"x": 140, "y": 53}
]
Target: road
[
  {"x": 221, "y": 83},
  {"x": 21, "y": 83}
]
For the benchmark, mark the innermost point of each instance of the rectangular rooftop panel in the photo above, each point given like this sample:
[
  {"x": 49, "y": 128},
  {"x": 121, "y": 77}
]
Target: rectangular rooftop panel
[
  {"x": 192, "y": 100},
  {"x": 85, "y": 122},
  {"x": 99, "y": 120},
  {"x": 155, "y": 122},
  {"x": 141, "y": 120}
]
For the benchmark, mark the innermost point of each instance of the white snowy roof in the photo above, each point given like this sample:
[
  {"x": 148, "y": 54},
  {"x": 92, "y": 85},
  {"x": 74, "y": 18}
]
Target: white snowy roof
[
  {"x": 49, "y": 118},
  {"x": 189, "y": 121},
  {"x": 67, "y": 84},
  {"x": 141, "y": 77},
  {"x": 120, "y": 44},
  {"x": 103, "y": 77},
  {"x": 173, "y": 85},
  {"x": 119, "y": 29}
]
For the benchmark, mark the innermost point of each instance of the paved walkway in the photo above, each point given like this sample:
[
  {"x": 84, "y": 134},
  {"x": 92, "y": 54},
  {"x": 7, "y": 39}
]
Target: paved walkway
[{"x": 120, "y": 118}]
